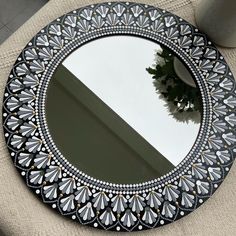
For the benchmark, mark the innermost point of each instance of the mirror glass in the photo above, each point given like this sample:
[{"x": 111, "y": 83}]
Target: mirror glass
[{"x": 123, "y": 109}]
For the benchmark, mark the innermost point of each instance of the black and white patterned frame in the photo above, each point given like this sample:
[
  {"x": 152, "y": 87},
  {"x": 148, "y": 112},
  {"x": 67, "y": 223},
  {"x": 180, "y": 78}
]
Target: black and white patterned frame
[{"x": 97, "y": 203}]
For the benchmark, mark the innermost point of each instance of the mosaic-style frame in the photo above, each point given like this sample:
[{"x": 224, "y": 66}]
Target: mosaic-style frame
[{"x": 110, "y": 206}]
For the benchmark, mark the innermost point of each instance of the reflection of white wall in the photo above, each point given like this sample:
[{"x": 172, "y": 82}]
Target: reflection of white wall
[{"x": 114, "y": 69}]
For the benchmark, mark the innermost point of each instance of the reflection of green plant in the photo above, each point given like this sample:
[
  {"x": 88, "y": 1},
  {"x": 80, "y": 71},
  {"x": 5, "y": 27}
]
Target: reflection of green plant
[{"x": 181, "y": 97}]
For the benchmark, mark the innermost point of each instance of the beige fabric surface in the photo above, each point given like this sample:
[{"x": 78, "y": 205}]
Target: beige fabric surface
[{"x": 21, "y": 213}]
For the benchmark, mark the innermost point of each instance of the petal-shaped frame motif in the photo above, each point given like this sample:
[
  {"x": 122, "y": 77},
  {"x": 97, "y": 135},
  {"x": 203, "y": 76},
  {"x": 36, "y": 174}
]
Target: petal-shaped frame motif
[{"x": 97, "y": 203}]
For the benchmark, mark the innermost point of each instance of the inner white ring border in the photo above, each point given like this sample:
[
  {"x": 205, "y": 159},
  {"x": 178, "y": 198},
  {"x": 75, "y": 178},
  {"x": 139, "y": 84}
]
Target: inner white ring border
[{"x": 138, "y": 185}]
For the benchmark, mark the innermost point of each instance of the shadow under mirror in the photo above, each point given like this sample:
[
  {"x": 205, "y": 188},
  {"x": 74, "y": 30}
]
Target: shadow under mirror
[{"x": 123, "y": 109}]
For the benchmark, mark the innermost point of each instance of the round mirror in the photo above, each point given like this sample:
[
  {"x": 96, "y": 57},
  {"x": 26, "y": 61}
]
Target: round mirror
[
  {"x": 104, "y": 121},
  {"x": 123, "y": 109}
]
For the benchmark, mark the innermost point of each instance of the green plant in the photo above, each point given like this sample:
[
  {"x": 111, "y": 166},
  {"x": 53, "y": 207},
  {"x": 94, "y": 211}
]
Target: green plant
[{"x": 182, "y": 98}]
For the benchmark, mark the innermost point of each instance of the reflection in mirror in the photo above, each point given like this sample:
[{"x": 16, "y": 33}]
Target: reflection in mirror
[
  {"x": 109, "y": 109},
  {"x": 175, "y": 85}
]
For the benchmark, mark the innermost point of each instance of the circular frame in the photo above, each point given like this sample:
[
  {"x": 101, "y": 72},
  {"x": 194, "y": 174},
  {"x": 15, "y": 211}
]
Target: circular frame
[{"x": 111, "y": 206}]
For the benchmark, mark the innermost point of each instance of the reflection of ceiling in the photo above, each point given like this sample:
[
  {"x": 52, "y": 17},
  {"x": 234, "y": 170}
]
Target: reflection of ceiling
[{"x": 147, "y": 155}]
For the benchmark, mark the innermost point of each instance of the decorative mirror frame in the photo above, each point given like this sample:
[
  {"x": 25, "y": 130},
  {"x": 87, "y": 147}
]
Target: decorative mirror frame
[{"x": 110, "y": 206}]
